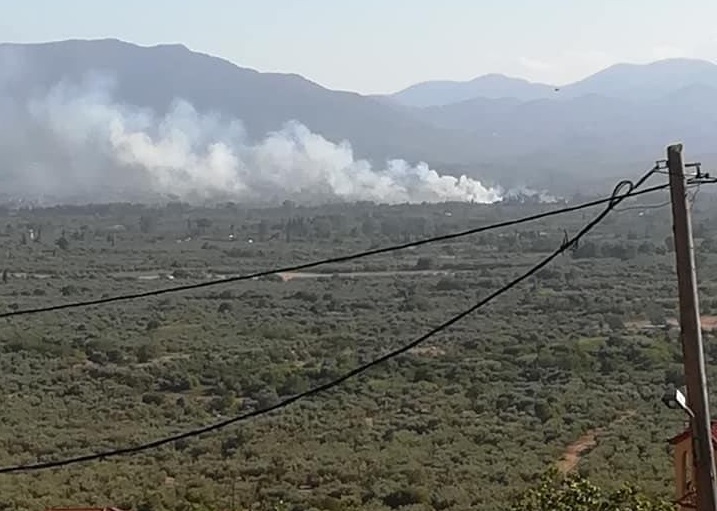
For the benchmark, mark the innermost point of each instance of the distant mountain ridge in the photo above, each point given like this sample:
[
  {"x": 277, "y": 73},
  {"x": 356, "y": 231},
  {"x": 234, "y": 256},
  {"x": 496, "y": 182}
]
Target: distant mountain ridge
[
  {"x": 491, "y": 86},
  {"x": 153, "y": 77},
  {"x": 622, "y": 81},
  {"x": 645, "y": 82},
  {"x": 514, "y": 132}
]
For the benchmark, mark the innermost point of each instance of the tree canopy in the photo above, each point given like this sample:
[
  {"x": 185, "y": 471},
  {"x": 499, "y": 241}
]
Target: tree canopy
[{"x": 555, "y": 492}]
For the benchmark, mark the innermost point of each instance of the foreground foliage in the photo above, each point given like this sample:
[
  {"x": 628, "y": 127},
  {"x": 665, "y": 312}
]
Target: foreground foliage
[{"x": 575, "y": 493}]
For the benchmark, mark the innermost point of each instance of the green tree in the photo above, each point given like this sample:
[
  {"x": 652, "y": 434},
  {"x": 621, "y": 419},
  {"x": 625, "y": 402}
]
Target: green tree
[
  {"x": 424, "y": 263},
  {"x": 203, "y": 225},
  {"x": 586, "y": 250},
  {"x": 148, "y": 351},
  {"x": 147, "y": 223},
  {"x": 63, "y": 243},
  {"x": 614, "y": 322},
  {"x": 670, "y": 243},
  {"x": 655, "y": 314},
  {"x": 574, "y": 493}
]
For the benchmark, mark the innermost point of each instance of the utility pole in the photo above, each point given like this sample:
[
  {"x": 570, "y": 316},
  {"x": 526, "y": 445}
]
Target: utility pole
[{"x": 691, "y": 336}]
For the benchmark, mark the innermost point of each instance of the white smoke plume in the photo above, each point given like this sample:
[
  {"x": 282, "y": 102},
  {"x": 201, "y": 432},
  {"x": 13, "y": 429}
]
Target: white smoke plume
[{"x": 77, "y": 143}]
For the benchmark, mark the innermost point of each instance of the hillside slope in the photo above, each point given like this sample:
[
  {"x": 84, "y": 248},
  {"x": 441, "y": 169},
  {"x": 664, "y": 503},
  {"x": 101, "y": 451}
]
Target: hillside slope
[
  {"x": 154, "y": 77},
  {"x": 493, "y": 86}
]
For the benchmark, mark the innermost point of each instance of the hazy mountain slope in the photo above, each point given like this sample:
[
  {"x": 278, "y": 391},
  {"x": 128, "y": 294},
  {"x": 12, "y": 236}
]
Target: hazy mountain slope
[
  {"x": 600, "y": 122},
  {"x": 492, "y": 86},
  {"x": 645, "y": 81},
  {"x": 520, "y": 133},
  {"x": 621, "y": 81},
  {"x": 155, "y": 76}
]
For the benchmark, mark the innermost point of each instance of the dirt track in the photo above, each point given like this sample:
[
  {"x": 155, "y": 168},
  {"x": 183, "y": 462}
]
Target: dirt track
[
  {"x": 708, "y": 323},
  {"x": 583, "y": 445},
  {"x": 362, "y": 274},
  {"x": 575, "y": 451},
  {"x": 167, "y": 274}
]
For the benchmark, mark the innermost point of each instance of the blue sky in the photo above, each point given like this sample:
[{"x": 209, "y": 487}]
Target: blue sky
[{"x": 383, "y": 45}]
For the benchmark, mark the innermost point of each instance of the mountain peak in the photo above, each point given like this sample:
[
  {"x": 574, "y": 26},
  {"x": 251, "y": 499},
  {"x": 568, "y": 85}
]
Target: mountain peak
[
  {"x": 489, "y": 86},
  {"x": 625, "y": 81},
  {"x": 498, "y": 78},
  {"x": 645, "y": 81},
  {"x": 671, "y": 65}
]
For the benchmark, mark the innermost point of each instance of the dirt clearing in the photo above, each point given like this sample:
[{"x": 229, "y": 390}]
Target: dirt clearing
[{"x": 583, "y": 445}]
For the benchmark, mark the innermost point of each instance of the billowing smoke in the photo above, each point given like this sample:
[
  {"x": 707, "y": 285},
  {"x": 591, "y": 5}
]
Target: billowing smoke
[{"x": 77, "y": 143}]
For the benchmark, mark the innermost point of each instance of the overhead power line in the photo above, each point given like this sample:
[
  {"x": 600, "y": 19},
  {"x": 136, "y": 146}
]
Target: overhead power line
[
  {"x": 695, "y": 185},
  {"x": 321, "y": 262},
  {"x": 615, "y": 199}
]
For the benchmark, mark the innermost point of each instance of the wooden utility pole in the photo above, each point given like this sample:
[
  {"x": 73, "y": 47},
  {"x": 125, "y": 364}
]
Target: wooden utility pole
[{"x": 691, "y": 336}]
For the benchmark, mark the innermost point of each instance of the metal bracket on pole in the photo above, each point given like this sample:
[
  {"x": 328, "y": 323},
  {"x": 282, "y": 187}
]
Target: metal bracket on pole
[{"x": 691, "y": 334}]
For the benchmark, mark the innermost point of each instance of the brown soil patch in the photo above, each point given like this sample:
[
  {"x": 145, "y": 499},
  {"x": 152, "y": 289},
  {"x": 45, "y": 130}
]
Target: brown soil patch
[
  {"x": 709, "y": 322},
  {"x": 575, "y": 451},
  {"x": 640, "y": 325},
  {"x": 164, "y": 358},
  {"x": 428, "y": 351},
  {"x": 583, "y": 445}
]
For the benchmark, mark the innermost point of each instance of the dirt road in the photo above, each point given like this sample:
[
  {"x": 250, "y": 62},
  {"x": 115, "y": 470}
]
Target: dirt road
[{"x": 582, "y": 446}]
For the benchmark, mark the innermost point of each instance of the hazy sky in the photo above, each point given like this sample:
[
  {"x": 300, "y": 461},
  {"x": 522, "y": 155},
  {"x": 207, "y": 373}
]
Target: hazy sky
[{"x": 383, "y": 45}]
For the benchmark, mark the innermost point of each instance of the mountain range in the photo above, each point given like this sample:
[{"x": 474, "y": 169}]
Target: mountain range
[
  {"x": 622, "y": 81},
  {"x": 500, "y": 129}
]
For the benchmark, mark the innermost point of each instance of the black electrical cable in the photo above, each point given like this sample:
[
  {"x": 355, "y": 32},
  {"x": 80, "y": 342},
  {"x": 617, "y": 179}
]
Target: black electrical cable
[{"x": 615, "y": 199}]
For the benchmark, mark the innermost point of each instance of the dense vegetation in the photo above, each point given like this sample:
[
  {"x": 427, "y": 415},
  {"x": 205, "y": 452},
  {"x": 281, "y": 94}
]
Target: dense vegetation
[
  {"x": 467, "y": 421},
  {"x": 558, "y": 492}
]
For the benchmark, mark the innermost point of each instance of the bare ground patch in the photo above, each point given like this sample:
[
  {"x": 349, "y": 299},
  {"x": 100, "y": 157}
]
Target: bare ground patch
[
  {"x": 428, "y": 351},
  {"x": 582, "y": 446}
]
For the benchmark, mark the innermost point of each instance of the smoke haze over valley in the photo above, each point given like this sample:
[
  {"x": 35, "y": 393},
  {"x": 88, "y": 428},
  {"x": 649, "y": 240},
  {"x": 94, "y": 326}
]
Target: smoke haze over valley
[
  {"x": 105, "y": 120},
  {"x": 77, "y": 143}
]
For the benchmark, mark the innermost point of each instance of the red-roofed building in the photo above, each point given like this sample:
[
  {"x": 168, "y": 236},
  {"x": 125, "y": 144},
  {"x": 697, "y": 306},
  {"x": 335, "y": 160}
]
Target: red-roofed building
[{"x": 684, "y": 485}]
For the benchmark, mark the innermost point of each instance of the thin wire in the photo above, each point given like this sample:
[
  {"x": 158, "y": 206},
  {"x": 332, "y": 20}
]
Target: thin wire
[
  {"x": 691, "y": 200},
  {"x": 666, "y": 172},
  {"x": 332, "y": 260},
  {"x": 612, "y": 203}
]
